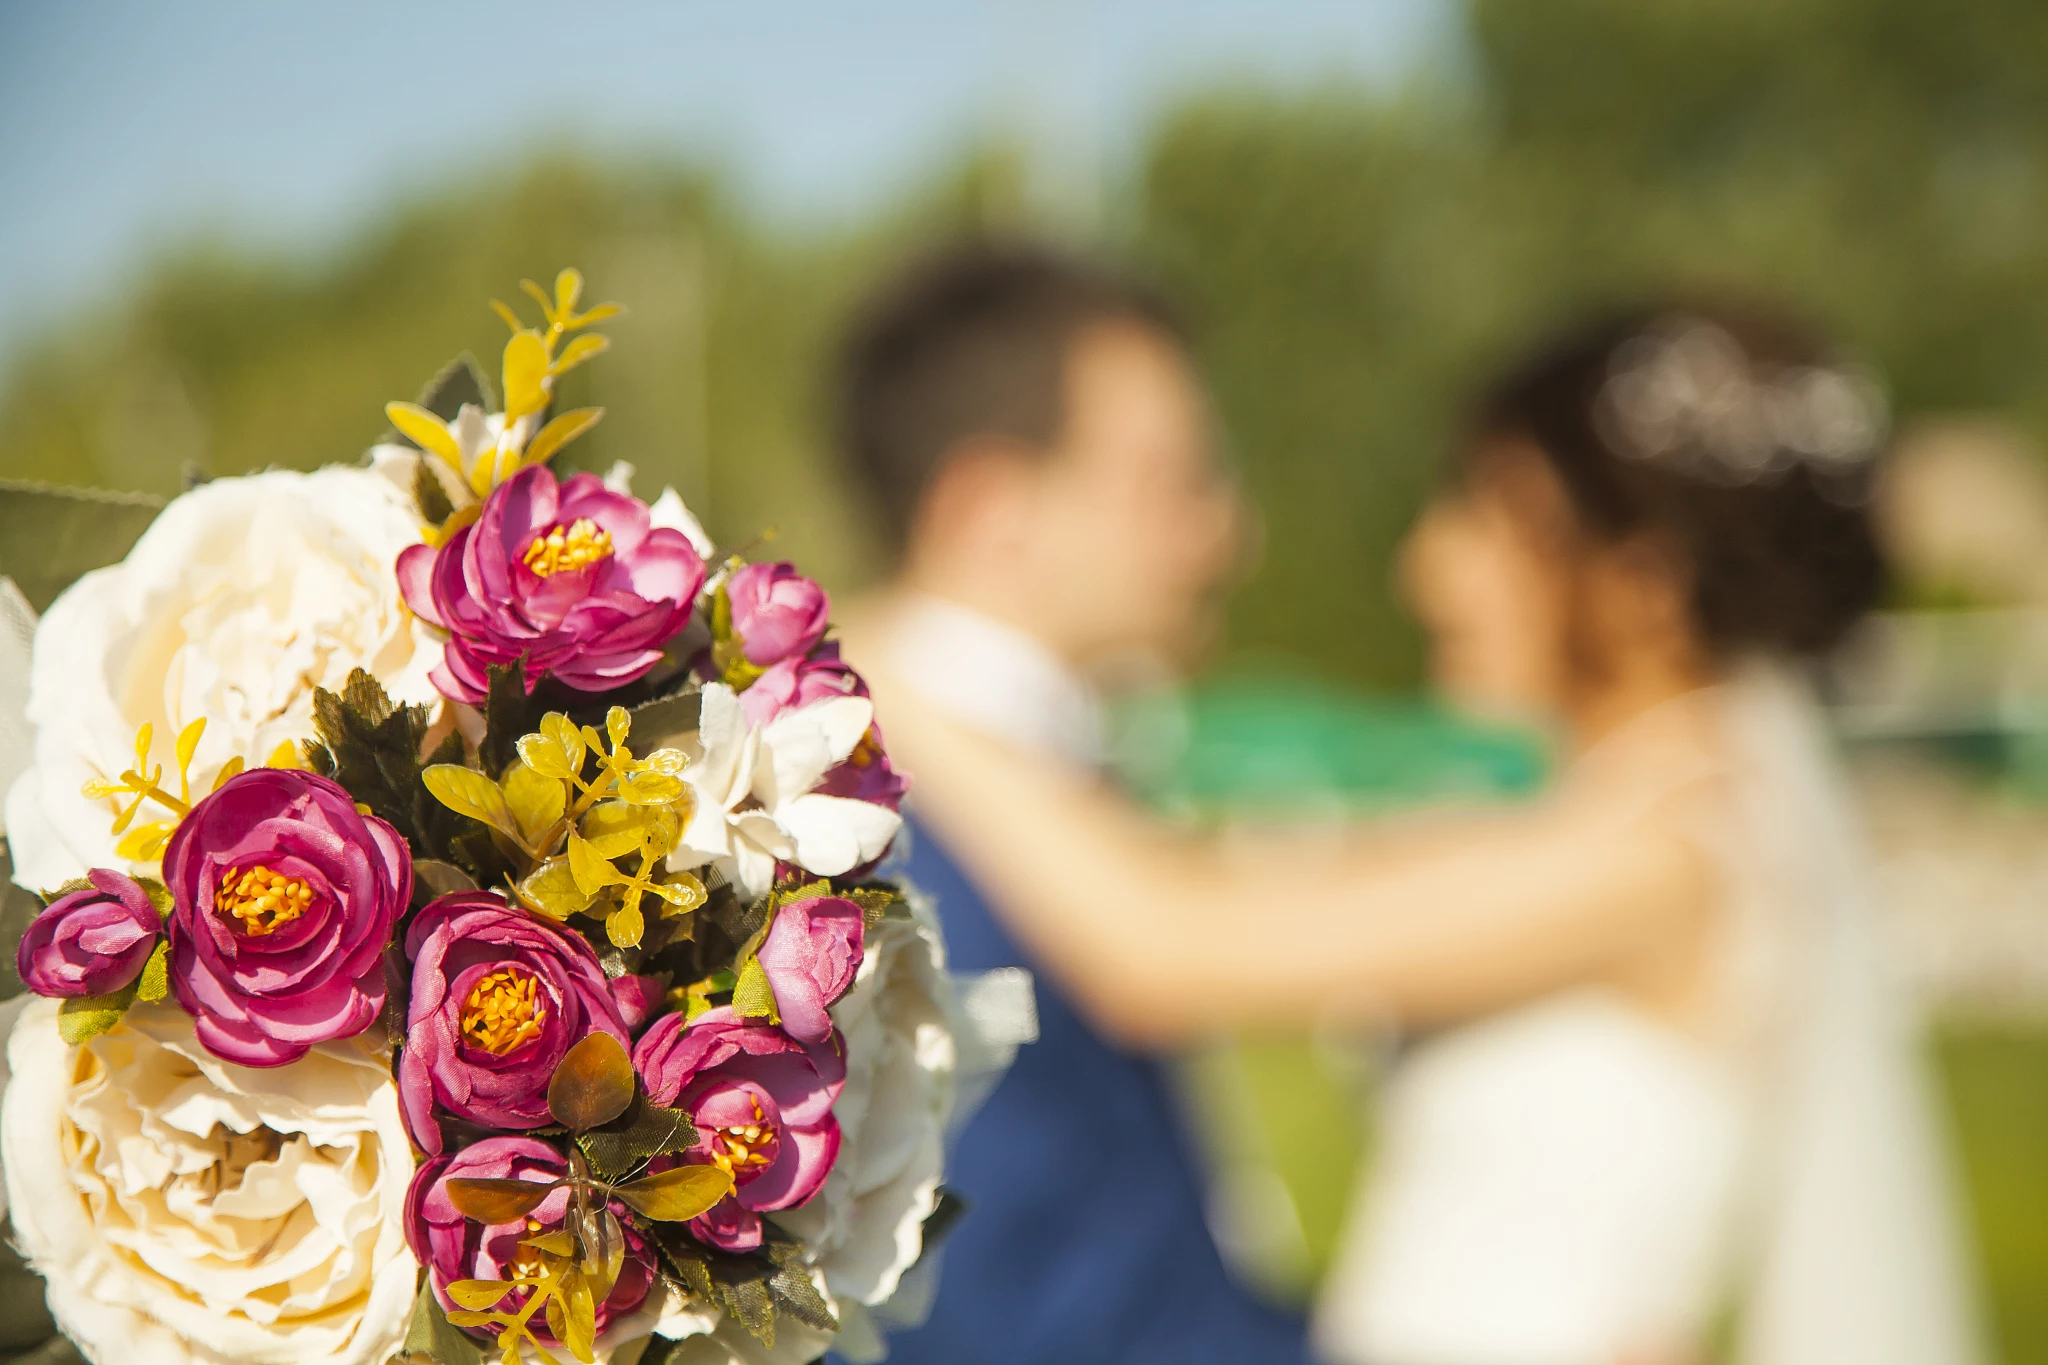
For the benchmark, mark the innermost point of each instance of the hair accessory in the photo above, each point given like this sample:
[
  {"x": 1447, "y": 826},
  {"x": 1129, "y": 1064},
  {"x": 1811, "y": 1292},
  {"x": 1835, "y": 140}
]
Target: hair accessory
[{"x": 1688, "y": 396}]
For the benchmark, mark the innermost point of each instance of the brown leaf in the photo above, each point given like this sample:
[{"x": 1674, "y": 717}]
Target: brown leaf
[
  {"x": 677, "y": 1194},
  {"x": 593, "y": 1084},
  {"x": 497, "y": 1201}
]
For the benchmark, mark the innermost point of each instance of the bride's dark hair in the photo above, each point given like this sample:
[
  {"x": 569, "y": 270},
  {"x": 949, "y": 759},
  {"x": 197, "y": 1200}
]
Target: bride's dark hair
[{"x": 1738, "y": 436}]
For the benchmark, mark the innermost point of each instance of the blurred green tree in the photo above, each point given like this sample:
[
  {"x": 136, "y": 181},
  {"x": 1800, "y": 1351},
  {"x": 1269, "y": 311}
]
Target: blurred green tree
[{"x": 1357, "y": 266}]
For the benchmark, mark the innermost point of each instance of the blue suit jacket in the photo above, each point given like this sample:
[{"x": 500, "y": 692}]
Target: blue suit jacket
[{"x": 1084, "y": 1239}]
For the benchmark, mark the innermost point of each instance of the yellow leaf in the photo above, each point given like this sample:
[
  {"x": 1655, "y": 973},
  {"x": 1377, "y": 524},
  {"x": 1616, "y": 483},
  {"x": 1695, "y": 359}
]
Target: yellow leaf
[
  {"x": 98, "y": 789},
  {"x": 613, "y": 829},
  {"x": 568, "y": 289},
  {"x": 479, "y": 1293},
  {"x": 592, "y": 871},
  {"x": 469, "y": 792},
  {"x": 597, "y": 314},
  {"x": 547, "y": 305},
  {"x": 651, "y": 789},
  {"x": 586, "y": 347},
  {"x": 552, "y": 887},
  {"x": 462, "y": 1317},
  {"x": 426, "y": 431},
  {"x": 143, "y": 736},
  {"x": 678, "y": 1194},
  {"x": 504, "y": 310},
  {"x": 618, "y": 723},
  {"x": 285, "y": 755},
  {"x": 232, "y": 768},
  {"x": 556, "y": 1243},
  {"x": 625, "y": 925},
  {"x": 562, "y": 430},
  {"x": 579, "y": 1316},
  {"x": 526, "y": 372},
  {"x": 683, "y": 892},
  {"x": 188, "y": 742},
  {"x": 535, "y": 800},
  {"x": 562, "y": 731},
  {"x": 544, "y": 756},
  {"x": 146, "y": 841}
]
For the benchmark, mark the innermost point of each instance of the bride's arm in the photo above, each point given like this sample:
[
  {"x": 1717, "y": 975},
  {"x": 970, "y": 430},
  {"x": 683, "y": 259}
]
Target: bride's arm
[{"x": 1161, "y": 935}]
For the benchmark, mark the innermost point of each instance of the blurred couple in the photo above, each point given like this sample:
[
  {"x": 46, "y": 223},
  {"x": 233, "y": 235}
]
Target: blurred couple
[{"x": 1661, "y": 1092}]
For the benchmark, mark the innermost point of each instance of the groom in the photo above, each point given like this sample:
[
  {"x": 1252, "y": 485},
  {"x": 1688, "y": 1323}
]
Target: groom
[{"x": 1039, "y": 450}]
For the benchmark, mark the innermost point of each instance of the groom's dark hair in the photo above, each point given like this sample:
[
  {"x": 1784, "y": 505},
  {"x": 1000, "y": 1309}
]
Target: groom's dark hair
[{"x": 971, "y": 341}]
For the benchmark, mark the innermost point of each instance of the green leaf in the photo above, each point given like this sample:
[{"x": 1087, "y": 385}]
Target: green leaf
[
  {"x": 644, "y": 1131},
  {"x": 429, "y": 496},
  {"x": 159, "y": 895},
  {"x": 752, "y": 996},
  {"x": 592, "y": 1084},
  {"x": 49, "y": 535},
  {"x": 84, "y": 1017},
  {"x": 431, "y": 1334},
  {"x": 372, "y": 748},
  {"x": 155, "y": 981},
  {"x": 460, "y": 381},
  {"x": 677, "y": 1194},
  {"x": 441, "y": 878},
  {"x": 509, "y": 712},
  {"x": 795, "y": 1293}
]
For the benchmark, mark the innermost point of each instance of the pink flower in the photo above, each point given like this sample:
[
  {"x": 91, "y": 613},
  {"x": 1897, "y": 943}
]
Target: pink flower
[
  {"x": 762, "y": 1102},
  {"x": 777, "y": 613},
  {"x": 283, "y": 902},
  {"x": 452, "y": 1247},
  {"x": 811, "y": 955},
  {"x": 568, "y": 577},
  {"x": 497, "y": 998},
  {"x": 90, "y": 941},
  {"x": 799, "y": 681}
]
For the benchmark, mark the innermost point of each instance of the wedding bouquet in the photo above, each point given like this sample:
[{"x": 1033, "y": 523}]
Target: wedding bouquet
[{"x": 465, "y": 928}]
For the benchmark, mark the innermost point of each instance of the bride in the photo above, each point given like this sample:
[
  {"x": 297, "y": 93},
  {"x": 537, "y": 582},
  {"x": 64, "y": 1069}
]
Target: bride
[{"x": 1662, "y": 1087}]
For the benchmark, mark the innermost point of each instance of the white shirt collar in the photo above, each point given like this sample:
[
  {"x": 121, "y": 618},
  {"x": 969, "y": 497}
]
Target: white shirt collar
[{"x": 996, "y": 678}]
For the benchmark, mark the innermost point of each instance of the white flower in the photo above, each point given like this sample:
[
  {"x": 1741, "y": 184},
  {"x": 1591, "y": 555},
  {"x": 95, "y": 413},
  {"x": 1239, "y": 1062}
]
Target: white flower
[
  {"x": 922, "y": 1046},
  {"x": 755, "y": 801},
  {"x": 239, "y": 599},
  {"x": 187, "y": 1210}
]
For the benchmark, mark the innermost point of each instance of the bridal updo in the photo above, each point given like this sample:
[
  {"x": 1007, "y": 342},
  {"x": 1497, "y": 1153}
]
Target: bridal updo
[{"x": 1741, "y": 439}]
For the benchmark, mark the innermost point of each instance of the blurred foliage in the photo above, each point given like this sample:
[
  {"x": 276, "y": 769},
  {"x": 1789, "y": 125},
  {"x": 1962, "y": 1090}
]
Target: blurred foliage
[
  {"x": 1353, "y": 265},
  {"x": 1356, "y": 267}
]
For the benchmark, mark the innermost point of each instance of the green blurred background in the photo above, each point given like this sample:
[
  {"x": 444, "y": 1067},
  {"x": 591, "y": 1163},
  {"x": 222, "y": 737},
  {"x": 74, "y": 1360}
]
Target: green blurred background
[{"x": 1353, "y": 254}]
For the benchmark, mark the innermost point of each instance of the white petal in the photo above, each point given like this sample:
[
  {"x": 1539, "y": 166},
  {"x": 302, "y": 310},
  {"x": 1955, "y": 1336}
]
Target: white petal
[
  {"x": 803, "y": 745},
  {"x": 835, "y": 834},
  {"x": 668, "y": 510}
]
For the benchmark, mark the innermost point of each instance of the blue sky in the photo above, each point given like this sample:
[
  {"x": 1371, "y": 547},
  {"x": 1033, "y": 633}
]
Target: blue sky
[{"x": 289, "y": 125}]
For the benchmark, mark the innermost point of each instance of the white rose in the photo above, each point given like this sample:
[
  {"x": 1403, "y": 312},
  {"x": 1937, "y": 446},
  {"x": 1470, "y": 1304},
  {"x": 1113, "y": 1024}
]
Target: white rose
[
  {"x": 187, "y": 1210},
  {"x": 240, "y": 598},
  {"x": 922, "y": 1046}
]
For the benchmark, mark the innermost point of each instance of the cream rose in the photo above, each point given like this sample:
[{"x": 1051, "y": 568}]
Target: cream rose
[
  {"x": 186, "y": 1210},
  {"x": 922, "y": 1046},
  {"x": 241, "y": 597}
]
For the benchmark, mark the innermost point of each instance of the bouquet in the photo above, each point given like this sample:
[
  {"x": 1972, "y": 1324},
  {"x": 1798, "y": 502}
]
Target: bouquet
[{"x": 467, "y": 926}]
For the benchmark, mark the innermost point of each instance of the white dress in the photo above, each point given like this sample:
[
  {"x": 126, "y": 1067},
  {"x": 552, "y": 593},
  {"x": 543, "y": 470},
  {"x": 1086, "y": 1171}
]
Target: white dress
[{"x": 1573, "y": 1182}]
